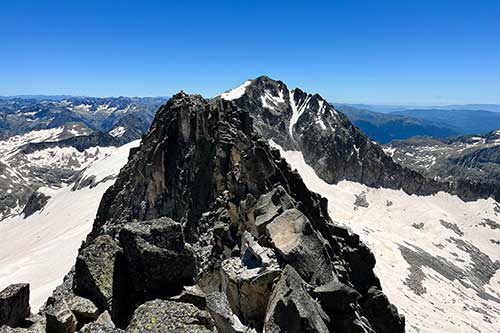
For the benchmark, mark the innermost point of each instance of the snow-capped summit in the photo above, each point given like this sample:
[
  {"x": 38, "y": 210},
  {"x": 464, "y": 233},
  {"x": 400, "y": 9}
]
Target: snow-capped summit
[{"x": 335, "y": 148}]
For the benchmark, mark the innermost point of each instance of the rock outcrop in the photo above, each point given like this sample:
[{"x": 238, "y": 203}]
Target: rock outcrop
[
  {"x": 59, "y": 318},
  {"x": 208, "y": 227},
  {"x": 35, "y": 203},
  {"x": 14, "y": 304},
  {"x": 292, "y": 308}
]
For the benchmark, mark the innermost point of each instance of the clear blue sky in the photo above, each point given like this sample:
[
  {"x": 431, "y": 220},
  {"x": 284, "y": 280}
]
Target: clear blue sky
[{"x": 421, "y": 51}]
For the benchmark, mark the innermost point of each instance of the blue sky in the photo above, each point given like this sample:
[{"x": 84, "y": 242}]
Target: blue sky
[{"x": 422, "y": 52}]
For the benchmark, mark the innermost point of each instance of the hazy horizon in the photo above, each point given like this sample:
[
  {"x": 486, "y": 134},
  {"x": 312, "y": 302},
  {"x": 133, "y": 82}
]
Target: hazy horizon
[{"x": 378, "y": 104}]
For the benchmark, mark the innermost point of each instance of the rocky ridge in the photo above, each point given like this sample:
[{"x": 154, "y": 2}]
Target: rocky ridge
[{"x": 207, "y": 226}]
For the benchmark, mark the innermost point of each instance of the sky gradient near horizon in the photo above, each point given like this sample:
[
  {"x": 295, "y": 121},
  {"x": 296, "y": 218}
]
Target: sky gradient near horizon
[{"x": 387, "y": 51}]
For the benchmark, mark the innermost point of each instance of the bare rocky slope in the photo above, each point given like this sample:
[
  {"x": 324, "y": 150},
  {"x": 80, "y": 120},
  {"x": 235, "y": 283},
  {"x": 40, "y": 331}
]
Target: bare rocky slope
[
  {"x": 473, "y": 157},
  {"x": 208, "y": 227}
]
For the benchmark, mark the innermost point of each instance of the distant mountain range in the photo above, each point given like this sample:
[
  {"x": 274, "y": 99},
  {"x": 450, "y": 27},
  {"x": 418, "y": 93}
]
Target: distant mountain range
[
  {"x": 395, "y": 108},
  {"x": 128, "y": 116},
  {"x": 462, "y": 121},
  {"x": 403, "y": 124},
  {"x": 385, "y": 127},
  {"x": 472, "y": 157}
]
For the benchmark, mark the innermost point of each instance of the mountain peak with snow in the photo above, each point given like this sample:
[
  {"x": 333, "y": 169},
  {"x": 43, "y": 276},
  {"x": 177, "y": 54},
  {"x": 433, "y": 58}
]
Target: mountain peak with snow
[{"x": 331, "y": 144}]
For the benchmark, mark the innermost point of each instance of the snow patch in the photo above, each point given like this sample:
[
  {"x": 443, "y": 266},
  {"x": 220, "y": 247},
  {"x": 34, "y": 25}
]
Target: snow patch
[
  {"x": 12, "y": 144},
  {"x": 297, "y": 110},
  {"x": 423, "y": 245},
  {"x": 117, "y": 131},
  {"x": 42, "y": 248},
  {"x": 270, "y": 101},
  {"x": 236, "y": 92}
]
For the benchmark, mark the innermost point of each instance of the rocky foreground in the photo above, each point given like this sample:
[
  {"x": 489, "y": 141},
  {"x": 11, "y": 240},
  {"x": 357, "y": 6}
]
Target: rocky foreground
[{"x": 207, "y": 228}]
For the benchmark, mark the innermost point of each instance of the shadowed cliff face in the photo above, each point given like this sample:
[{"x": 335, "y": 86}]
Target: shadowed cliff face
[{"x": 247, "y": 221}]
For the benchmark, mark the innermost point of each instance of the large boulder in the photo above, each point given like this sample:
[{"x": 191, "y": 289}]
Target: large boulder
[
  {"x": 248, "y": 290},
  {"x": 293, "y": 236},
  {"x": 103, "y": 324},
  {"x": 14, "y": 304},
  {"x": 292, "y": 309},
  {"x": 254, "y": 255},
  {"x": 193, "y": 295},
  {"x": 100, "y": 276},
  {"x": 84, "y": 310},
  {"x": 225, "y": 320},
  {"x": 269, "y": 206},
  {"x": 161, "y": 316},
  {"x": 59, "y": 318},
  {"x": 159, "y": 260}
]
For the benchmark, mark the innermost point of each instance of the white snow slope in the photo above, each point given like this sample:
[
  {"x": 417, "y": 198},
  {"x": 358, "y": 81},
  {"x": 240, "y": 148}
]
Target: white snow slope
[
  {"x": 437, "y": 256},
  {"x": 21, "y": 173},
  {"x": 42, "y": 248},
  {"x": 236, "y": 92}
]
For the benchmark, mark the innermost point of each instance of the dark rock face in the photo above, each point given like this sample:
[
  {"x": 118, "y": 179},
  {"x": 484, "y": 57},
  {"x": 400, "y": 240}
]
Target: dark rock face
[
  {"x": 206, "y": 207},
  {"x": 159, "y": 260},
  {"x": 14, "y": 304},
  {"x": 80, "y": 143},
  {"x": 330, "y": 143},
  {"x": 335, "y": 296},
  {"x": 100, "y": 275},
  {"x": 35, "y": 203},
  {"x": 380, "y": 312}
]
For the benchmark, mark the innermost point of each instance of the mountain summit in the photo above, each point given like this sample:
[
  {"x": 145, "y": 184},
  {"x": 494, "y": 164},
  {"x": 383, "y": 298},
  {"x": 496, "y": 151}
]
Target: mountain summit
[{"x": 331, "y": 144}]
